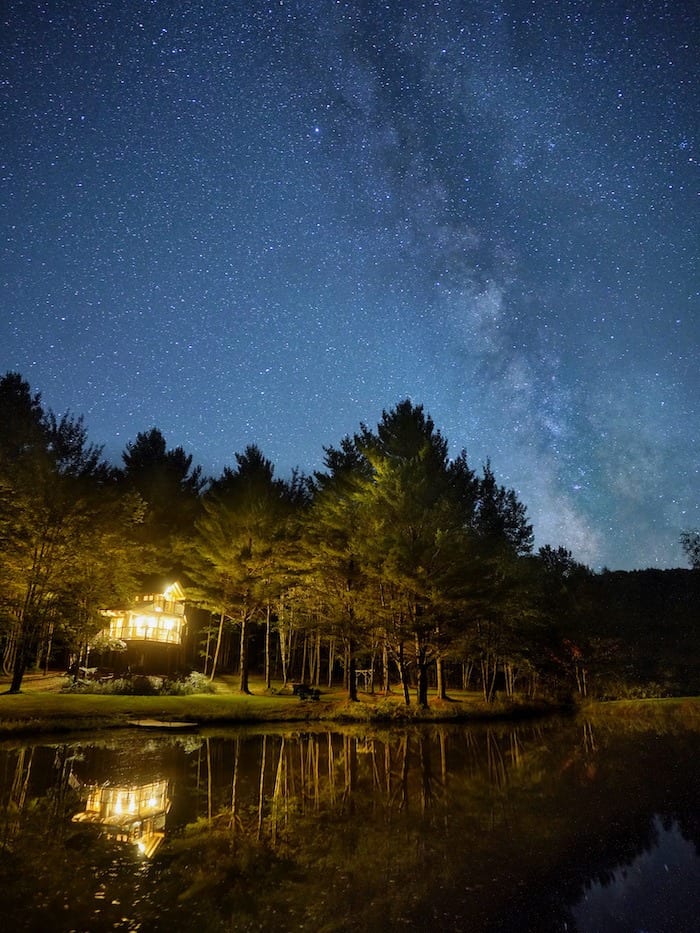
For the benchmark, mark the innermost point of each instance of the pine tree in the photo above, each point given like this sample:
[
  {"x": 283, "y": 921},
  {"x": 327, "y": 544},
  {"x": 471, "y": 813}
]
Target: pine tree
[
  {"x": 237, "y": 554},
  {"x": 50, "y": 484}
]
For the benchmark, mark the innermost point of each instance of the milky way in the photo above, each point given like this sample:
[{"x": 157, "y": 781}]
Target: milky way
[{"x": 267, "y": 222}]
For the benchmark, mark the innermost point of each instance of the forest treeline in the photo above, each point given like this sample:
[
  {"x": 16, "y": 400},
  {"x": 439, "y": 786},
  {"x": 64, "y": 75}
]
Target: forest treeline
[{"x": 394, "y": 559}]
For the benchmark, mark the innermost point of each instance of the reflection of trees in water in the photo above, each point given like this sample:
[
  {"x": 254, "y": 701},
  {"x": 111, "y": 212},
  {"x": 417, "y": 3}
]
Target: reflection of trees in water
[
  {"x": 442, "y": 826},
  {"x": 40, "y": 780},
  {"x": 275, "y": 780},
  {"x": 476, "y": 820},
  {"x": 59, "y": 875},
  {"x": 657, "y": 889},
  {"x": 16, "y": 797}
]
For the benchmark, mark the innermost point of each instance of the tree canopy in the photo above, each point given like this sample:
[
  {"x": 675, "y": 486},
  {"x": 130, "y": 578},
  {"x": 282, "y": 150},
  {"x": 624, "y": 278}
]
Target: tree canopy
[
  {"x": 58, "y": 511},
  {"x": 690, "y": 542},
  {"x": 394, "y": 557}
]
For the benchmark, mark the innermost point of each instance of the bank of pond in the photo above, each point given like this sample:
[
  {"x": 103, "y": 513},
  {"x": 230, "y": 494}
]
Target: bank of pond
[{"x": 586, "y": 822}]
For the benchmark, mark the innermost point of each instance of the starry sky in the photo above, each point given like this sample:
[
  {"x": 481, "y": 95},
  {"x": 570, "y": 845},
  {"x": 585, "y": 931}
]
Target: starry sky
[{"x": 265, "y": 222}]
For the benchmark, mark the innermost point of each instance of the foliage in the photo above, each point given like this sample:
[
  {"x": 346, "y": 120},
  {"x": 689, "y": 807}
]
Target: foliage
[
  {"x": 193, "y": 683},
  {"x": 690, "y": 542},
  {"x": 65, "y": 532},
  {"x": 393, "y": 558},
  {"x": 236, "y": 556},
  {"x": 138, "y": 685},
  {"x": 169, "y": 486},
  {"x": 144, "y": 685}
]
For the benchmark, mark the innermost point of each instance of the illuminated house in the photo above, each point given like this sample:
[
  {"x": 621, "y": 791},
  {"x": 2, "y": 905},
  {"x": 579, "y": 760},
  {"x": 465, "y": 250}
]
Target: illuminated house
[
  {"x": 152, "y": 628},
  {"x": 133, "y": 813}
]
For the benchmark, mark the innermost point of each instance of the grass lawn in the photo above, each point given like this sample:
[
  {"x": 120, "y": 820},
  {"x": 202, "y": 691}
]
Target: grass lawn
[
  {"x": 661, "y": 712},
  {"x": 41, "y": 706}
]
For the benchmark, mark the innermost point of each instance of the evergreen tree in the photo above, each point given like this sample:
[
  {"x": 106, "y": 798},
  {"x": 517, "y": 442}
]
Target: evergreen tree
[
  {"x": 170, "y": 487},
  {"x": 407, "y": 530},
  {"x": 237, "y": 552},
  {"x": 49, "y": 479},
  {"x": 690, "y": 542},
  {"x": 331, "y": 580}
]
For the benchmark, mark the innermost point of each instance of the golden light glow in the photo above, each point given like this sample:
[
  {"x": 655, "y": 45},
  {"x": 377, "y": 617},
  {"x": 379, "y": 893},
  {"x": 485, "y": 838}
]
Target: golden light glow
[
  {"x": 132, "y": 814},
  {"x": 160, "y": 617}
]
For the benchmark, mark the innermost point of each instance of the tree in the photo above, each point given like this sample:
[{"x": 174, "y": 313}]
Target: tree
[
  {"x": 331, "y": 578},
  {"x": 239, "y": 541},
  {"x": 22, "y": 428},
  {"x": 105, "y": 565},
  {"x": 49, "y": 474},
  {"x": 23, "y": 458},
  {"x": 497, "y": 596},
  {"x": 170, "y": 486},
  {"x": 500, "y": 519},
  {"x": 690, "y": 542},
  {"x": 565, "y": 604},
  {"x": 406, "y": 533}
]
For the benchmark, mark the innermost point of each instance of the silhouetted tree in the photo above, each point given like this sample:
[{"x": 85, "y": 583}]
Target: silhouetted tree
[
  {"x": 690, "y": 542},
  {"x": 170, "y": 486},
  {"x": 331, "y": 582},
  {"x": 50, "y": 484},
  {"x": 565, "y": 603}
]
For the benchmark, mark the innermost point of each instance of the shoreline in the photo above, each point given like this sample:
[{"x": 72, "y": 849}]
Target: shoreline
[{"x": 42, "y": 708}]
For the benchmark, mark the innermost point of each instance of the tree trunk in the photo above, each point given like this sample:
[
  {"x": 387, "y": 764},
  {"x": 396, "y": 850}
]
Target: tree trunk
[
  {"x": 303, "y": 658},
  {"x": 489, "y": 670},
  {"x": 284, "y": 653},
  {"x": 19, "y": 667},
  {"x": 422, "y": 676},
  {"x": 243, "y": 682},
  {"x": 401, "y": 664},
  {"x": 350, "y": 667},
  {"x": 49, "y": 647},
  {"x": 206, "y": 648},
  {"x": 317, "y": 673},
  {"x": 581, "y": 679},
  {"x": 440, "y": 674},
  {"x": 23, "y": 650},
  {"x": 218, "y": 646},
  {"x": 467, "y": 671},
  {"x": 268, "y": 668},
  {"x": 385, "y": 670},
  {"x": 10, "y": 652},
  {"x": 509, "y": 673},
  {"x": 331, "y": 660}
]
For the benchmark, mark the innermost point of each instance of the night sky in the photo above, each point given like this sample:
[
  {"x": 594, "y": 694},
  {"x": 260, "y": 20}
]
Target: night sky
[{"x": 267, "y": 222}]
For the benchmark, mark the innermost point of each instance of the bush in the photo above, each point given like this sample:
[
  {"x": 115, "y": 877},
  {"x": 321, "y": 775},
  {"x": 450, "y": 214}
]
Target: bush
[
  {"x": 141, "y": 685},
  {"x": 620, "y": 689},
  {"x": 193, "y": 683}
]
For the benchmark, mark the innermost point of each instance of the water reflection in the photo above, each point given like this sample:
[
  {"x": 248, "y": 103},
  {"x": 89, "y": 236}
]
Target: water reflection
[
  {"x": 556, "y": 826},
  {"x": 658, "y": 890},
  {"x": 131, "y": 813}
]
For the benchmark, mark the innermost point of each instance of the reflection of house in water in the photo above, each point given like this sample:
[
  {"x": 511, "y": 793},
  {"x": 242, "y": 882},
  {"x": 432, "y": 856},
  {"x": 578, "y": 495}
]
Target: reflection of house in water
[
  {"x": 133, "y": 813},
  {"x": 152, "y": 627}
]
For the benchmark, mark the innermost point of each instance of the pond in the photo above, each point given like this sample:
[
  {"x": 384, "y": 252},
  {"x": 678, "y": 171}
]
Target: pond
[{"x": 554, "y": 826}]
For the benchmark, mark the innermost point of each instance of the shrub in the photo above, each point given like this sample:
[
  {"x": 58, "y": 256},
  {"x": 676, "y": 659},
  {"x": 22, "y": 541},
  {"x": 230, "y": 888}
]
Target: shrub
[
  {"x": 139, "y": 685},
  {"x": 193, "y": 683}
]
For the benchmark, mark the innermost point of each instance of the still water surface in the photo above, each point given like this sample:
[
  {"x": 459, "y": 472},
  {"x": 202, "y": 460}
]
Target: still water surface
[{"x": 558, "y": 826}]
